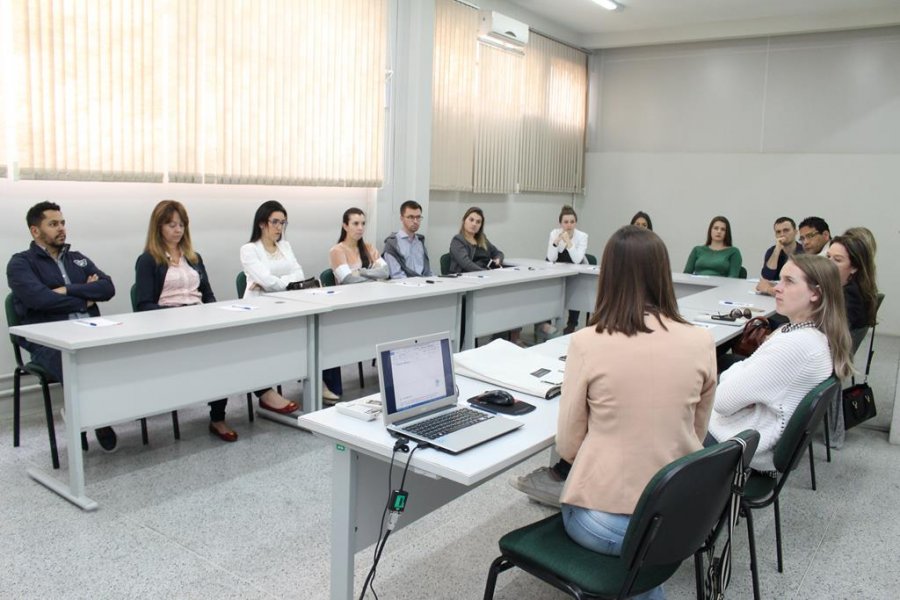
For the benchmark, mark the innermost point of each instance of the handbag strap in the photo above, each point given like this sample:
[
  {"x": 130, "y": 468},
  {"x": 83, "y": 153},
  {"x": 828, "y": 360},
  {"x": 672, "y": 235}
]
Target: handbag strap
[{"x": 871, "y": 354}]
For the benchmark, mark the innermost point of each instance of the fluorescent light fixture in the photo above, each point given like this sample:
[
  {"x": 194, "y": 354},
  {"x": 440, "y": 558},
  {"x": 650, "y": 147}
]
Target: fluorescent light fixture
[{"x": 608, "y": 4}]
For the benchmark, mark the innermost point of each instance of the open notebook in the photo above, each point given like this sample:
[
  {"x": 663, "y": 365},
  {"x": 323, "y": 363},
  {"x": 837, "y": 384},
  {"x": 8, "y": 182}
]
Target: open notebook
[{"x": 507, "y": 365}]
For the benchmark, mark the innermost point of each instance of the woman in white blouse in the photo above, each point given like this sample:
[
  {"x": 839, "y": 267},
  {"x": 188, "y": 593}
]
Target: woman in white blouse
[
  {"x": 270, "y": 266},
  {"x": 353, "y": 261},
  {"x": 566, "y": 245}
]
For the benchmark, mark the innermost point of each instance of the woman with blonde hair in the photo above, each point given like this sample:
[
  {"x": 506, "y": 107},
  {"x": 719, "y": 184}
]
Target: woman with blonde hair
[
  {"x": 169, "y": 274},
  {"x": 763, "y": 391},
  {"x": 470, "y": 249}
]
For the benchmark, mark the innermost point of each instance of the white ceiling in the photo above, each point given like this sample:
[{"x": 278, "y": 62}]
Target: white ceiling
[{"x": 644, "y": 22}]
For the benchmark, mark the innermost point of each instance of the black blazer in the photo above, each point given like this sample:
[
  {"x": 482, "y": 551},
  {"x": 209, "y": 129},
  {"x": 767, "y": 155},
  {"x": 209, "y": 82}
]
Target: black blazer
[{"x": 150, "y": 277}]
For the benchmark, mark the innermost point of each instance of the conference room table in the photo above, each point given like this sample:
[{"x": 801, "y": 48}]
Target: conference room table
[{"x": 127, "y": 366}]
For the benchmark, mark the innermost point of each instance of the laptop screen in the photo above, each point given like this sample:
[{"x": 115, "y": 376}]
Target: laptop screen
[{"x": 415, "y": 374}]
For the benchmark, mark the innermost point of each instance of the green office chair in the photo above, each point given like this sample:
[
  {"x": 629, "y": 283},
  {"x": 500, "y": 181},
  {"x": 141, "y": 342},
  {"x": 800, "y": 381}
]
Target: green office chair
[
  {"x": 592, "y": 260},
  {"x": 176, "y": 430},
  {"x": 679, "y": 509},
  {"x": 445, "y": 264},
  {"x": 44, "y": 379},
  {"x": 742, "y": 273},
  {"x": 327, "y": 279},
  {"x": 761, "y": 490}
]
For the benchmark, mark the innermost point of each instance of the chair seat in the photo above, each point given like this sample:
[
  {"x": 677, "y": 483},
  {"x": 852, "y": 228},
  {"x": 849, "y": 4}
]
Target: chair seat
[
  {"x": 547, "y": 546},
  {"x": 759, "y": 488},
  {"x": 38, "y": 371}
]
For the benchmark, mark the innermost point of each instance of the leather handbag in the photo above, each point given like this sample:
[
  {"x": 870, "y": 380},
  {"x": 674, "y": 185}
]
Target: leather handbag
[
  {"x": 859, "y": 399},
  {"x": 756, "y": 330},
  {"x": 306, "y": 284}
]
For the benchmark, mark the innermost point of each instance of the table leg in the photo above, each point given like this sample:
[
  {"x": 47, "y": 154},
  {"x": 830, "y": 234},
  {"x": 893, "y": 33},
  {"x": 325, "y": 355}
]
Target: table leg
[{"x": 345, "y": 463}]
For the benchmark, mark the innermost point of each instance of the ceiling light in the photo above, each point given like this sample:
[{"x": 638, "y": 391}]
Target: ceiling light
[{"x": 608, "y": 4}]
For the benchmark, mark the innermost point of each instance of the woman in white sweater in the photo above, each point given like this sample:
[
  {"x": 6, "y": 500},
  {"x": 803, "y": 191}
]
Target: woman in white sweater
[
  {"x": 566, "y": 245},
  {"x": 763, "y": 391},
  {"x": 270, "y": 266}
]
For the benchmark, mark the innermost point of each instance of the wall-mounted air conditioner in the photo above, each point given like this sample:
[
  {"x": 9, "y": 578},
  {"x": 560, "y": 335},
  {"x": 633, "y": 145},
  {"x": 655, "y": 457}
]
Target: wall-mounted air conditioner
[{"x": 503, "y": 31}]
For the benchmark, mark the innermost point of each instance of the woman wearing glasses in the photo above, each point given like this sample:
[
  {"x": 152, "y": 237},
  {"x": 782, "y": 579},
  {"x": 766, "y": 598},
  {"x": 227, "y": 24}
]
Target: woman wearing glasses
[
  {"x": 270, "y": 266},
  {"x": 169, "y": 274}
]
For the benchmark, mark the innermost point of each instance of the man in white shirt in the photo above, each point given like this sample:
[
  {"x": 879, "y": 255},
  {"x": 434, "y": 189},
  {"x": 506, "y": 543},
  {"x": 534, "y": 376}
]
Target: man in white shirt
[{"x": 404, "y": 250}]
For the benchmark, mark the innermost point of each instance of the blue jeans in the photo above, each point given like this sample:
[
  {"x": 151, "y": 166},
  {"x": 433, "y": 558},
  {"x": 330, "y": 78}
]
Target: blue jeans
[{"x": 601, "y": 532}]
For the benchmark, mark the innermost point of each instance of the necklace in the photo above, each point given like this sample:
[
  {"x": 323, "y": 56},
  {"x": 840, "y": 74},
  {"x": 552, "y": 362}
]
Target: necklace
[{"x": 795, "y": 326}]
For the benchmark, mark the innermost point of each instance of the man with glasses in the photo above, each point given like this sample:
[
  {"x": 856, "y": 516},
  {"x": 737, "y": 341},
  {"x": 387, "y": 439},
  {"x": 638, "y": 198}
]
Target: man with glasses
[
  {"x": 404, "y": 250},
  {"x": 814, "y": 235},
  {"x": 777, "y": 256},
  {"x": 50, "y": 282}
]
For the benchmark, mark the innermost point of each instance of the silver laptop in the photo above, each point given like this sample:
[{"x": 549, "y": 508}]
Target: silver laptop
[{"x": 418, "y": 396}]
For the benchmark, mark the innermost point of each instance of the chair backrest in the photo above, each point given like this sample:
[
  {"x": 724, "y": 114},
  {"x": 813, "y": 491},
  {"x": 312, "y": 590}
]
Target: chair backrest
[
  {"x": 240, "y": 282},
  {"x": 742, "y": 273},
  {"x": 12, "y": 319},
  {"x": 856, "y": 338},
  {"x": 134, "y": 297},
  {"x": 683, "y": 503},
  {"x": 811, "y": 410},
  {"x": 592, "y": 260},
  {"x": 327, "y": 278},
  {"x": 445, "y": 264}
]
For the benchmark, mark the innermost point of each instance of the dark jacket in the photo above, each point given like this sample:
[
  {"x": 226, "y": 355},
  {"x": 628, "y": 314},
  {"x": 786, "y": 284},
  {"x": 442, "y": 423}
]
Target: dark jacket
[
  {"x": 150, "y": 277},
  {"x": 857, "y": 316},
  {"x": 32, "y": 276},
  {"x": 465, "y": 257}
]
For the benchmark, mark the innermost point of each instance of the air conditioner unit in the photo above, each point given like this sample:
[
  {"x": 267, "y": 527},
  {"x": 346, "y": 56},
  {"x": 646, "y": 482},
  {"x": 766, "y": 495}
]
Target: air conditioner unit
[{"x": 502, "y": 31}]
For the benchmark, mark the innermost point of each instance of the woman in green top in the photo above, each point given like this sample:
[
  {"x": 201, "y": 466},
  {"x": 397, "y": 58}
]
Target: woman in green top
[{"x": 718, "y": 257}]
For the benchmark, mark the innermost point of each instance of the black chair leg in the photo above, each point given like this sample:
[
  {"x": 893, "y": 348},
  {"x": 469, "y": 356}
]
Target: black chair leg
[
  {"x": 175, "y": 428},
  {"x": 144, "y": 437},
  {"x": 499, "y": 565},
  {"x": 51, "y": 428},
  {"x": 751, "y": 539},
  {"x": 17, "y": 385},
  {"x": 827, "y": 435},
  {"x": 778, "y": 535},
  {"x": 812, "y": 467},
  {"x": 84, "y": 442},
  {"x": 698, "y": 575},
  {"x": 362, "y": 381},
  {"x": 250, "y": 407}
]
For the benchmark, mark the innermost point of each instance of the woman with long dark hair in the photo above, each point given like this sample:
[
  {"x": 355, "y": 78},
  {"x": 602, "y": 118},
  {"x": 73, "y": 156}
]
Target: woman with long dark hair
[{"x": 717, "y": 257}]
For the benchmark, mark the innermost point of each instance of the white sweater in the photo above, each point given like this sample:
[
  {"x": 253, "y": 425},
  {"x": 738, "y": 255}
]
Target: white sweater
[
  {"x": 576, "y": 252},
  {"x": 763, "y": 391},
  {"x": 267, "y": 273}
]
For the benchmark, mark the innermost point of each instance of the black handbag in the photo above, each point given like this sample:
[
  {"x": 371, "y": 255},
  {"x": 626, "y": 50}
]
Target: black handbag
[
  {"x": 859, "y": 399},
  {"x": 306, "y": 284}
]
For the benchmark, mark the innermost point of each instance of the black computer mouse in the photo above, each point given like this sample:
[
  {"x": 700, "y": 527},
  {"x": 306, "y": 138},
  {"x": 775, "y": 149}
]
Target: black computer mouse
[{"x": 496, "y": 397}]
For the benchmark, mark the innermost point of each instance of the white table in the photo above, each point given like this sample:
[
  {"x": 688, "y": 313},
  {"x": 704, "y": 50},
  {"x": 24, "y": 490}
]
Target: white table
[
  {"x": 158, "y": 361},
  {"x": 360, "y": 316},
  {"x": 362, "y": 450},
  {"x": 511, "y": 297}
]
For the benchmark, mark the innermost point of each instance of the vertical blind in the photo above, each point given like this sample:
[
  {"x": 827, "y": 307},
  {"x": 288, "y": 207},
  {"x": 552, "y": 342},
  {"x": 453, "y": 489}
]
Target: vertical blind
[
  {"x": 524, "y": 115},
  {"x": 89, "y": 98},
  {"x": 217, "y": 91},
  {"x": 453, "y": 96}
]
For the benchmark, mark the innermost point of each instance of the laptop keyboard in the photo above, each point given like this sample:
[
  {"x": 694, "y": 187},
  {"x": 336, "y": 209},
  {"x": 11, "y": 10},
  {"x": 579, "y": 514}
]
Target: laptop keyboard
[{"x": 447, "y": 423}]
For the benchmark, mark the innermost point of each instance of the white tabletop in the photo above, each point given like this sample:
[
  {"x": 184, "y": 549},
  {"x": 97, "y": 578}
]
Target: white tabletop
[
  {"x": 131, "y": 327},
  {"x": 378, "y": 292},
  {"x": 467, "y": 468}
]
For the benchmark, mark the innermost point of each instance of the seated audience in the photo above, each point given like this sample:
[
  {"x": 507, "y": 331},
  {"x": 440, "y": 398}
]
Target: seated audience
[
  {"x": 566, "y": 245},
  {"x": 642, "y": 219},
  {"x": 718, "y": 257},
  {"x": 170, "y": 274},
  {"x": 776, "y": 256},
  {"x": 270, "y": 266},
  {"x": 52, "y": 282},
  {"x": 404, "y": 250},
  {"x": 616, "y": 426},
  {"x": 352, "y": 260},
  {"x": 814, "y": 235},
  {"x": 763, "y": 391}
]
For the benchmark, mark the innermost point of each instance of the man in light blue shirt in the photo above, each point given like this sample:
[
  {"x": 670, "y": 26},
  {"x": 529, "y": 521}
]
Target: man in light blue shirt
[{"x": 404, "y": 251}]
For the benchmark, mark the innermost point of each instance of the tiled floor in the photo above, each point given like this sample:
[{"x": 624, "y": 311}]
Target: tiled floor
[{"x": 202, "y": 519}]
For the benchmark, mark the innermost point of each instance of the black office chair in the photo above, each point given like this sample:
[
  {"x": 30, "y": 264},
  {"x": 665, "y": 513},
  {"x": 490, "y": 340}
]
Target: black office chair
[
  {"x": 176, "y": 429},
  {"x": 445, "y": 264},
  {"x": 327, "y": 279},
  {"x": 44, "y": 379},
  {"x": 762, "y": 490},
  {"x": 675, "y": 516}
]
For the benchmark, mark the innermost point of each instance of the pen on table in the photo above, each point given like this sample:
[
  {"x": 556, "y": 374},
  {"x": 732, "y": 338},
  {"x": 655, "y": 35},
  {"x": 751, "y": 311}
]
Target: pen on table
[{"x": 91, "y": 324}]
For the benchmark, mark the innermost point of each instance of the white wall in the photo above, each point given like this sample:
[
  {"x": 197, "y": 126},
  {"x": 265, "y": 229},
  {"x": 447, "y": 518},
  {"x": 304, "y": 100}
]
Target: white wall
[{"x": 751, "y": 129}]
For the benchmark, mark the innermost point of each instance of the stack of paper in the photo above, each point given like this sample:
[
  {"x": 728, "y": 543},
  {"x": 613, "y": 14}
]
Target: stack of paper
[{"x": 507, "y": 365}]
